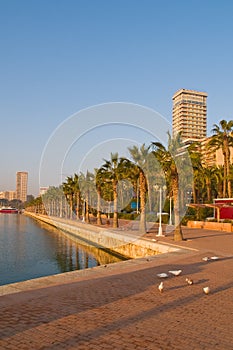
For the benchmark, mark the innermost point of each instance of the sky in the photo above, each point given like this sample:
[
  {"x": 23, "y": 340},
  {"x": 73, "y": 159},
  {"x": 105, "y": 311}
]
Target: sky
[{"x": 60, "y": 57}]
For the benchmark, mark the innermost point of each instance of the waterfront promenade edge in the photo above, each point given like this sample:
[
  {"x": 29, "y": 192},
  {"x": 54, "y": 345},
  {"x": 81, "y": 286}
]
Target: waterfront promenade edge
[{"x": 118, "y": 306}]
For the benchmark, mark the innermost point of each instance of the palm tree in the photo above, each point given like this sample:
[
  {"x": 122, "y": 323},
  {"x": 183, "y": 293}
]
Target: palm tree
[
  {"x": 69, "y": 190},
  {"x": 208, "y": 175},
  {"x": 154, "y": 174},
  {"x": 196, "y": 159},
  {"x": 219, "y": 180},
  {"x": 113, "y": 171},
  {"x": 52, "y": 201},
  {"x": 76, "y": 194},
  {"x": 140, "y": 157},
  {"x": 35, "y": 206},
  {"x": 49, "y": 199},
  {"x": 61, "y": 201},
  {"x": 99, "y": 183},
  {"x": 173, "y": 161},
  {"x": 223, "y": 139},
  {"x": 86, "y": 185}
]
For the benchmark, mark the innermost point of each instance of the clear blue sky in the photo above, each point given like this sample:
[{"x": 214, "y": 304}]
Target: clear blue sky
[{"x": 58, "y": 57}]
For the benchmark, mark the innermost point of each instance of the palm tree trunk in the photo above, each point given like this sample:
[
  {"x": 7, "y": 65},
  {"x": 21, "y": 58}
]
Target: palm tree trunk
[
  {"x": 178, "y": 236},
  {"x": 224, "y": 176},
  {"x": 194, "y": 193},
  {"x": 149, "y": 196},
  {"x": 228, "y": 173},
  {"x": 87, "y": 218},
  {"x": 208, "y": 188},
  {"x": 142, "y": 184},
  {"x": 115, "y": 213},
  {"x": 99, "y": 220},
  {"x": 77, "y": 205},
  {"x": 61, "y": 207},
  {"x": 71, "y": 207}
]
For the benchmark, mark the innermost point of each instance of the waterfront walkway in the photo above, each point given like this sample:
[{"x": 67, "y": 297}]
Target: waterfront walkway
[{"x": 119, "y": 307}]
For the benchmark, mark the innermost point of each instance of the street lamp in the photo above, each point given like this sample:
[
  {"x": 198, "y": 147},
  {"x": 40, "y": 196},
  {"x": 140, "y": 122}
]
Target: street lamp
[
  {"x": 84, "y": 210},
  {"x": 160, "y": 189},
  {"x": 137, "y": 198},
  {"x": 170, "y": 209}
]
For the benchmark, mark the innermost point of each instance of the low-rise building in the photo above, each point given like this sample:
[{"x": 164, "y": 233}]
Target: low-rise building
[{"x": 9, "y": 195}]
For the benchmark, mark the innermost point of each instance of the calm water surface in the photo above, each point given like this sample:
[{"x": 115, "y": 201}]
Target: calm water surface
[{"x": 31, "y": 249}]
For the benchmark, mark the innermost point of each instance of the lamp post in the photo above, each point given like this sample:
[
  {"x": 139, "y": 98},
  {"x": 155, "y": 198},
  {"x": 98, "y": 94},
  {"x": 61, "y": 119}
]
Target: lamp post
[
  {"x": 160, "y": 189},
  {"x": 170, "y": 209},
  {"x": 137, "y": 199},
  {"x": 84, "y": 210}
]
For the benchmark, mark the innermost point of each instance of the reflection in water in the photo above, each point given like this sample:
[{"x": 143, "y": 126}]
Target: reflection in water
[
  {"x": 30, "y": 249},
  {"x": 75, "y": 254}
]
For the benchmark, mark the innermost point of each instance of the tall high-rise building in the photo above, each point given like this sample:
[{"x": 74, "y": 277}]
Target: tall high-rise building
[
  {"x": 189, "y": 114},
  {"x": 21, "y": 185}
]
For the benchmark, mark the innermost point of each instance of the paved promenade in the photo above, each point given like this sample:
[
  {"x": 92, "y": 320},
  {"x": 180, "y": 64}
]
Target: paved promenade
[{"x": 119, "y": 307}]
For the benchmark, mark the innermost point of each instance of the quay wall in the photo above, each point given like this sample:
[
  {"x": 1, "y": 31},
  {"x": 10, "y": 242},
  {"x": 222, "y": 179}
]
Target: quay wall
[{"x": 129, "y": 244}]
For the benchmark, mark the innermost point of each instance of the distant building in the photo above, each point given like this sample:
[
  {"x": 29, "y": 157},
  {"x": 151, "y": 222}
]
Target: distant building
[
  {"x": 21, "y": 185},
  {"x": 189, "y": 117},
  {"x": 211, "y": 158},
  {"x": 43, "y": 190},
  {"x": 10, "y": 195},
  {"x": 189, "y": 114}
]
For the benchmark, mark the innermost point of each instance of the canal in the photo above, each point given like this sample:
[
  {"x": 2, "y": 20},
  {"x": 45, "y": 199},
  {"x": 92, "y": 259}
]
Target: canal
[{"x": 31, "y": 249}]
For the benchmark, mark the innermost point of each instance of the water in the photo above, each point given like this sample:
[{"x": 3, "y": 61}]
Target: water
[{"x": 31, "y": 249}]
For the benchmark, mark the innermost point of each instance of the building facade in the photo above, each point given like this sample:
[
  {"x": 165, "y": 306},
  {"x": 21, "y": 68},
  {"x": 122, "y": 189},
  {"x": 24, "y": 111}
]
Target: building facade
[
  {"x": 43, "y": 190},
  {"x": 21, "y": 185},
  {"x": 212, "y": 158},
  {"x": 189, "y": 114},
  {"x": 9, "y": 195}
]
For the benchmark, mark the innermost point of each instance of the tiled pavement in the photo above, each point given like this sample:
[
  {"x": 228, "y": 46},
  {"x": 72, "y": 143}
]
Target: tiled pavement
[{"x": 119, "y": 306}]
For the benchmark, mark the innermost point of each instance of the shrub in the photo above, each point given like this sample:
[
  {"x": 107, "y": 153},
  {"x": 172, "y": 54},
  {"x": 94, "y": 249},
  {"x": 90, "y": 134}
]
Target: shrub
[
  {"x": 187, "y": 218},
  {"x": 128, "y": 216}
]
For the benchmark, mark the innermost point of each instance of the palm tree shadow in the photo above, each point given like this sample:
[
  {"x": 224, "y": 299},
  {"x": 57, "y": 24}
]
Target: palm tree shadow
[
  {"x": 118, "y": 286},
  {"x": 188, "y": 237}
]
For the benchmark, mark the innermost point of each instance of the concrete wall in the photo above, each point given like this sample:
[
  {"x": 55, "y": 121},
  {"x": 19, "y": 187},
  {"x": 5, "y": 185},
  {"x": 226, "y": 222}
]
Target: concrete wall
[
  {"x": 220, "y": 226},
  {"x": 124, "y": 243}
]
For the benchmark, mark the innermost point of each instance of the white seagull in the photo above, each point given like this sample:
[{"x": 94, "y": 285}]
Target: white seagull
[
  {"x": 176, "y": 272},
  {"x": 214, "y": 258},
  {"x": 206, "y": 258},
  {"x": 206, "y": 290},
  {"x": 160, "y": 287}
]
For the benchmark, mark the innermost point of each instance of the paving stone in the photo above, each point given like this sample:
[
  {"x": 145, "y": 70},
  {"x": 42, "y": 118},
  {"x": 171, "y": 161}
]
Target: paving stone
[{"x": 121, "y": 308}]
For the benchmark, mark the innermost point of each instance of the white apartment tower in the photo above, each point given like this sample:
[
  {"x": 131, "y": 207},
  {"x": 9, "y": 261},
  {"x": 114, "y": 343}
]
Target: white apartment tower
[
  {"x": 21, "y": 185},
  {"x": 189, "y": 114}
]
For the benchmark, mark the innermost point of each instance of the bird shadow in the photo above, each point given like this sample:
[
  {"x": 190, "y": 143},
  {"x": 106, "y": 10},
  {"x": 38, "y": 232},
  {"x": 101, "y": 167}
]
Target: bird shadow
[{"x": 203, "y": 280}]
